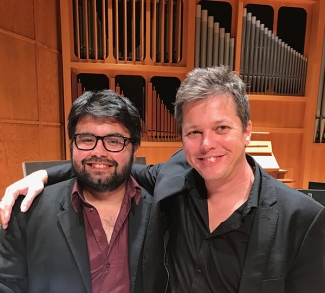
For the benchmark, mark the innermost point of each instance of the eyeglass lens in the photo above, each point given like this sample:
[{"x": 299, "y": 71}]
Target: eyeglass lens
[{"x": 88, "y": 142}]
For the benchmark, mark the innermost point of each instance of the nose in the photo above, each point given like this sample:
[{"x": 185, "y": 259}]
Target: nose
[
  {"x": 99, "y": 149},
  {"x": 208, "y": 142}
]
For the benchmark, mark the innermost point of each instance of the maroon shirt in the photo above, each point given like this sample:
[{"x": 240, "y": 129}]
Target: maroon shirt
[{"x": 108, "y": 262}]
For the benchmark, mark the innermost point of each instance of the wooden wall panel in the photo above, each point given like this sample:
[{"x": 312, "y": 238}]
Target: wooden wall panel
[
  {"x": 286, "y": 114},
  {"x": 317, "y": 169},
  {"x": 18, "y": 17},
  {"x": 18, "y": 143},
  {"x": 157, "y": 152},
  {"x": 51, "y": 142},
  {"x": 47, "y": 26},
  {"x": 49, "y": 86},
  {"x": 31, "y": 112},
  {"x": 286, "y": 148},
  {"x": 18, "y": 79}
]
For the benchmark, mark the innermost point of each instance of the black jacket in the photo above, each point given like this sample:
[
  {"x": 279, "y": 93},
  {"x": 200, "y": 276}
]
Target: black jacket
[
  {"x": 45, "y": 249},
  {"x": 286, "y": 250}
]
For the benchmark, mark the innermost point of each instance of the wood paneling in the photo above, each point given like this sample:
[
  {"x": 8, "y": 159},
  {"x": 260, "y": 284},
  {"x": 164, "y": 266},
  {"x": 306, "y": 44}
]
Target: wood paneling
[
  {"x": 287, "y": 151},
  {"x": 31, "y": 112},
  {"x": 51, "y": 142},
  {"x": 49, "y": 86},
  {"x": 157, "y": 152},
  {"x": 284, "y": 114},
  {"x": 47, "y": 26},
  {"x": 18, "y": 143},
  {"x": 18, "y": 17},
  {"x": 317, "y": 169},
  {"x": 18, "y": 79}
]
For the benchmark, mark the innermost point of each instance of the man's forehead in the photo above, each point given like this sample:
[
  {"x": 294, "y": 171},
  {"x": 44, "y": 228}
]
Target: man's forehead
[
  {"x": 106, "y": 124},
  {"x": 97, "y": 120}
]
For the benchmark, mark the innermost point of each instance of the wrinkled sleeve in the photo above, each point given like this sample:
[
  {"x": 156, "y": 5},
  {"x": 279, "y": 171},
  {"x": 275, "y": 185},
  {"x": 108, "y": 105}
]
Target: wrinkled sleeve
[
  {"x": 60, "y": 173},
  {"x": 146, "y": 176}
]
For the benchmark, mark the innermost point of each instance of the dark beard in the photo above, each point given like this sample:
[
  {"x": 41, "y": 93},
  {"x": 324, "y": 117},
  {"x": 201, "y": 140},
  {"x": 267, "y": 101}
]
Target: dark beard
[{"x": 114, "y": 181}]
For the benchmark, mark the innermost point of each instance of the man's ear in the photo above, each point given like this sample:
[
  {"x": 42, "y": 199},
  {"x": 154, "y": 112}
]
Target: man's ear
[
  {"x": 135, "y": 151},
  {"x": 248, "y": 133}
]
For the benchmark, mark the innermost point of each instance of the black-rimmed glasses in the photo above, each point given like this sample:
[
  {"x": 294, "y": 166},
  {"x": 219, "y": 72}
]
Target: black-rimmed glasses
[{"x": 112, "y": 143}]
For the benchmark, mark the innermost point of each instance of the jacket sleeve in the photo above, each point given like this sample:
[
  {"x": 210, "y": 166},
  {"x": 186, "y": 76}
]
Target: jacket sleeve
[
  {"x": 13, "y": 262},
  {"x": 146, "y": 176},
  {"x": 60, "y": 173},
  {"x": 307, "y": 273}
]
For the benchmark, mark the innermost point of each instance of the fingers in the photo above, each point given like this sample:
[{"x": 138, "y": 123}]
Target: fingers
[
  {"x": 5, "y": 215},
  {"x": 30, "y": 186},
  {"x": 6, "y": 205},
  {"x": 30, "y": 196}
]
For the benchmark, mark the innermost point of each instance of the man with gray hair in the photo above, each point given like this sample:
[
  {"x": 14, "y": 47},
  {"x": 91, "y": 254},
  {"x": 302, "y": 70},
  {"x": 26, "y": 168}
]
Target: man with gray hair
[{"x": 219, "y": 222}]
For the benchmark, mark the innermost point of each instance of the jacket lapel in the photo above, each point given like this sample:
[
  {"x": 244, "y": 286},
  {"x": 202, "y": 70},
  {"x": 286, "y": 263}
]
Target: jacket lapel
[
  {"x": 261, "y": 240},
  {"x": 72, "y": 225},
  {"x": 138, "y": 219}
]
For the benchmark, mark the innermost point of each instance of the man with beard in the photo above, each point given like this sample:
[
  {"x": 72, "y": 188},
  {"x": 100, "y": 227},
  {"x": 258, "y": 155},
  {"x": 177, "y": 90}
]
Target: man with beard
[
  {"x": 219, "y": 222},
  {"x": 84, "y": 234}
]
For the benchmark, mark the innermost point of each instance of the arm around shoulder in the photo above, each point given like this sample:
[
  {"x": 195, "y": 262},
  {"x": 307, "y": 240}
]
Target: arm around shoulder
[{"x": 60, "y": 173}]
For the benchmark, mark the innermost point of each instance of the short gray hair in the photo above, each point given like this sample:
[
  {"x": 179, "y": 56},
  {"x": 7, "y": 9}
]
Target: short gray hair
[{"x": 203, "y": 83}]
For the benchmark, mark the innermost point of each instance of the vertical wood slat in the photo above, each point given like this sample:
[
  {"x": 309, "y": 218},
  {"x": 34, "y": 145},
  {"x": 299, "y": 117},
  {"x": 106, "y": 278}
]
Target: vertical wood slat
[
  {"x": 159, "y": 118},
  {"x": 109, "y": 40},
  {"x": 112, "y": 83},
  {"x": 197, "y": 52},
  {"x": 149, "y": 108},
  {"x": 134, "y": 49},
  {"x": 86, "y": 27},
  {"x": 95, "y": 36},
  {"x": 163, "y": 130},
  {"x": 116, "y": 36},
  {"x": 162, "y": 125},
  {"x": 154, "y": 32},
  {"x": 77, "y": 32},
  {"x": 103, "y": 29},
  {"x": 178, "y": 34},
  {"x": 144, "y": 130},
  {"x": 170, "y": 31},
  {"x": 174, "y": 128},
  {"x": 165, "y": 123},
  {"x": 142, "y": 36},
  {"x": 79, "y": 88},
  {"x": 162, "y": 30},
  {"x": 125, "y": 33},
  {"x": 118, "y": 89},
  {"x": 158, "y": 105},
  {"x": 168, "y": 126},
  {"x": 74, "y": 85},
  {"x": 154, "y": 111}
]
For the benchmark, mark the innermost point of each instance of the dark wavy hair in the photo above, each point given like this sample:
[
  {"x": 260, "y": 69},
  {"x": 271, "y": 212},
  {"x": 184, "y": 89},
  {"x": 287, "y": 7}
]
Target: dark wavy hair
[{"x": 106, "y": 104}]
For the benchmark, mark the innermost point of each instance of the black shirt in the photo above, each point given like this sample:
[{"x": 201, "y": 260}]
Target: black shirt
[{"x": 200, "y": 261}]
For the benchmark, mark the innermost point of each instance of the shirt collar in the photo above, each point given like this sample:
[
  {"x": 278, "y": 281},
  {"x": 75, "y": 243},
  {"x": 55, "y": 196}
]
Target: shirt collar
[
  {"x": 133, "y": 191},
  {"x": 252, "y": 200}
]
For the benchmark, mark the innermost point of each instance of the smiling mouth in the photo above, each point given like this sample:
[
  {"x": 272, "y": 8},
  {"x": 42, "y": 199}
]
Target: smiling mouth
[
  {"x": 210, "y": 159},
  {"x": 100, "y": 166}
]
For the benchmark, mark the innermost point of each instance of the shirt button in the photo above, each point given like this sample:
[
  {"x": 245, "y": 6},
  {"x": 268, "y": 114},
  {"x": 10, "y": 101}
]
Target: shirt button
[
  {"x": 199, "y": 271},
  {"x": 108, "y": 265}
]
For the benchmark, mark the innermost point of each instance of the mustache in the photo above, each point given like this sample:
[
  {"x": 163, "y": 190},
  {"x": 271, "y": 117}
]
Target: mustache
[{"x": 99, "y": 160}]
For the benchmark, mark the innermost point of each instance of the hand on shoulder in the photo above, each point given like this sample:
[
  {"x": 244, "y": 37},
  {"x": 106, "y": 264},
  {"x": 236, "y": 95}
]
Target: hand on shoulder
[{"x": 30, "y": 186}]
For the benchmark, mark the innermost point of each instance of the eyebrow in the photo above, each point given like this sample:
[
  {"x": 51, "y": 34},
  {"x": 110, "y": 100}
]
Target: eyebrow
[{"x": 109, "y": 134}]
